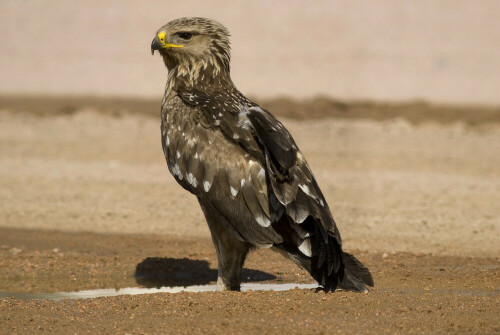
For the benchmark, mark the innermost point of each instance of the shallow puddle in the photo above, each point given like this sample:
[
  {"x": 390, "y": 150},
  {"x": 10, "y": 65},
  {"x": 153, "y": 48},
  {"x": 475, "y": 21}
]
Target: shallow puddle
[
  {"x": 142, "y": 290},
  {"x": 111, "y": 292}
]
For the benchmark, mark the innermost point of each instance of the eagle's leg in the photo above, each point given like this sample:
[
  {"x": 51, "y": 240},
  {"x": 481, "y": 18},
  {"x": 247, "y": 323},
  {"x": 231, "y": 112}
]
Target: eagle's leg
[{"x": 231, "y": 252}]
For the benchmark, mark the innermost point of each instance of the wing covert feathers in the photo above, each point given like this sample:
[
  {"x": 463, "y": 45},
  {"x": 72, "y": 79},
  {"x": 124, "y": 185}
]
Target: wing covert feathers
[{"x": 256, "y": 163}]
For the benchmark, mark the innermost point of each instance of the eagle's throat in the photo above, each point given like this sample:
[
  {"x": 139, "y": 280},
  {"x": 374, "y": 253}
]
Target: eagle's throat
[{"x": 207, "y": 74}]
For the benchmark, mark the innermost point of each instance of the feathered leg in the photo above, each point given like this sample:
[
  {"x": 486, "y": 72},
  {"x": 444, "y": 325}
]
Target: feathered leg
[{"x": 231, "y": 252}]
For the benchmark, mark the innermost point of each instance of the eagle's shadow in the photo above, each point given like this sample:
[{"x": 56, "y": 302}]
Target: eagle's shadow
[{"x": 158, "y": 272}]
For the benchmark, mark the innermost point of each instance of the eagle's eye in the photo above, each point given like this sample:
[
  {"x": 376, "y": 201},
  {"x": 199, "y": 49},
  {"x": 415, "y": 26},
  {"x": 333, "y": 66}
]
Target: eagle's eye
[{"x": 185, "y": 35}]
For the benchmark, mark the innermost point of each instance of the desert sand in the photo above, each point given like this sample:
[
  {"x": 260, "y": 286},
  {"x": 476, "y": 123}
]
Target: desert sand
[
  {"x": 392, "y": 186},
  {"x": 86, "y": 200}
]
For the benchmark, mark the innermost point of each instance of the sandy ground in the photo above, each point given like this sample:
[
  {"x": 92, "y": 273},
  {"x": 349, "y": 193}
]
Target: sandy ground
[
  {"x": 414, "y": 294},
  {"x": 86, "y": 199}
]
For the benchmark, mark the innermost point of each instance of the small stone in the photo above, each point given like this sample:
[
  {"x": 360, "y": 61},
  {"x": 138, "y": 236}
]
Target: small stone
[{"x": 14, "y": 251}]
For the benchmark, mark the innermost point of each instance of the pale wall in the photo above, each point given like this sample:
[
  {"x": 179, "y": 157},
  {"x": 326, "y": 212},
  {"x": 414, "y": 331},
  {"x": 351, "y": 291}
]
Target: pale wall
[{"x": 443, "y": 51}]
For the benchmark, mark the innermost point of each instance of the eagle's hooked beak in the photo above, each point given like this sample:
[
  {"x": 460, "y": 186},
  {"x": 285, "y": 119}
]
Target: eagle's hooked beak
[{"x": 159, "y": 42}]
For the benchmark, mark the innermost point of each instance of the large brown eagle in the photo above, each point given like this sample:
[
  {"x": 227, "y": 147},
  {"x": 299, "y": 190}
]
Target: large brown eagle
[{"x": 252, "y": 182}]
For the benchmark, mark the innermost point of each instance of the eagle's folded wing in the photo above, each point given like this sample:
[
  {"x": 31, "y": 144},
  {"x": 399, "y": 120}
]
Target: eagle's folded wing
[{"x": 274, "y": 178}]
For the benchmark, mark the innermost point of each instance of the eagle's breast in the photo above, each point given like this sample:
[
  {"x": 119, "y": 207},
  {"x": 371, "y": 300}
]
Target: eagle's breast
[
  {"x": 206, "y": 163},
  {"x": 179, "y": 140}
]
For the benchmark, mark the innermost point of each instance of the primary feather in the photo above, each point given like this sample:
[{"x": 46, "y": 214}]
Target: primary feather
[{"x": 252, "y": 182}]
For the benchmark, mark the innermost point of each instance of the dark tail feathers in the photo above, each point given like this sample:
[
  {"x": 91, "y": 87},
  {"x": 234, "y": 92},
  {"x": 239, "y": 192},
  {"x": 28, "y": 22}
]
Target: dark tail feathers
[
  {"x": 356, "y": 275},
  {"x": 329, "y": 265},
  {"x": 333, "y": 268}
]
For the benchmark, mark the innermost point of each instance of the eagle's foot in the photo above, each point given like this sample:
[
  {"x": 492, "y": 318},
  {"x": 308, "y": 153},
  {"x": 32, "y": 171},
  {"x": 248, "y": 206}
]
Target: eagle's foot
[{"x": 223, "y": 285}]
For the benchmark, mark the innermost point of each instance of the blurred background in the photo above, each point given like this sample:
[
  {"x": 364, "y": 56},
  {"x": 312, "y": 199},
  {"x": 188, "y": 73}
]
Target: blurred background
[
  {"x": 445, "y": 51},
  {"x": 394, "y": 103}
]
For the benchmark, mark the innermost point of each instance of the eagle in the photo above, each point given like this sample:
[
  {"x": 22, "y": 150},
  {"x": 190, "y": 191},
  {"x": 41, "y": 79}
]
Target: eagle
[{"x": 252, "y": 182}]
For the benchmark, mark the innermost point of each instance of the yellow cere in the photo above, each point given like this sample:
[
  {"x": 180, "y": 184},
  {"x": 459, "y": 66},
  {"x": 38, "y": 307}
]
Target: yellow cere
[{"x": 162, "y": 36}]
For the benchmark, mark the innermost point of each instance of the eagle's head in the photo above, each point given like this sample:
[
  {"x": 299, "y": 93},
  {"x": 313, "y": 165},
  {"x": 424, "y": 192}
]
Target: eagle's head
[{"x": 193, "y": 42}]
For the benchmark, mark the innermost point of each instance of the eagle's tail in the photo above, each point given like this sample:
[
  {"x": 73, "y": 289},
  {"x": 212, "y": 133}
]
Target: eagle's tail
[
  {"x": 320, "y": 253},
  {"x": 356, "y": 275},
  {"x": 331, "y": 267}
]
